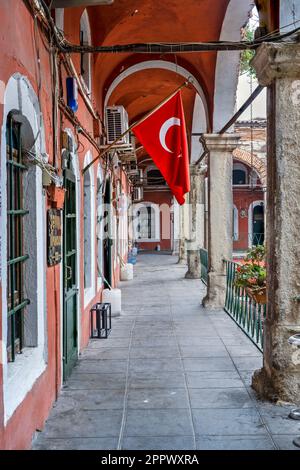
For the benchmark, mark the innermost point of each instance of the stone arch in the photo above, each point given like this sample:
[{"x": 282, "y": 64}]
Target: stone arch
[
  {"x": 165, "y": 65},
  {"x": 252, "y": 161}
]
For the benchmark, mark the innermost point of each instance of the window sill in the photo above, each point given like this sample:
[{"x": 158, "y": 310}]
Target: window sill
[{"x": 21, "y": 376}]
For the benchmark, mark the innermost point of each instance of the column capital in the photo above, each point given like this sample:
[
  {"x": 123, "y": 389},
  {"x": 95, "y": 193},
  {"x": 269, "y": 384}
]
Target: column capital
[
  {"x": 222, "y": 142},
  {"x": 197, "y": 170},
  {"x": 276, "y": 60}
]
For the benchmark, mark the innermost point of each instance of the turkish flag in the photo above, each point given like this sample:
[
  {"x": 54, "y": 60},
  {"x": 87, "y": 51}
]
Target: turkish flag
[{"x": 163, "y": 135}]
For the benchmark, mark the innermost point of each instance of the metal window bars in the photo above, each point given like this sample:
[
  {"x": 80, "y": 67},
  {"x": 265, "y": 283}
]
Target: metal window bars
[{"x": 16, "y": 258}]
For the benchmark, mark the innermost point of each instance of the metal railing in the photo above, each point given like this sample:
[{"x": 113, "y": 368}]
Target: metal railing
[
  {"x": 247, "y": 240},
  {"x": 204, "y": 264},
  {"x": 245, "y": 312}
]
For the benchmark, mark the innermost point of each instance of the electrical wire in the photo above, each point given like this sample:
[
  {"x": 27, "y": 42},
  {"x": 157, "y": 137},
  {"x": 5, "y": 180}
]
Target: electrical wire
[{"x": 160, "y": 47}]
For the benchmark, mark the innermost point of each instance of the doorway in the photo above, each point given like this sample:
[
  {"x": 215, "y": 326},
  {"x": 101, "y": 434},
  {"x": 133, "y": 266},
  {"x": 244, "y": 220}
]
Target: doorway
[
  {"x": 258, "y": 225},
  {"x": 70, "y": 291},
  {"x": 107, "y": 238}
]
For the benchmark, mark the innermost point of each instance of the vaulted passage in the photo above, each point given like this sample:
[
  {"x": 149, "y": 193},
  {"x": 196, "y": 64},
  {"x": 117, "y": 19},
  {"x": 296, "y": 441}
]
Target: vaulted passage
[{"x": 172, "y": 375}]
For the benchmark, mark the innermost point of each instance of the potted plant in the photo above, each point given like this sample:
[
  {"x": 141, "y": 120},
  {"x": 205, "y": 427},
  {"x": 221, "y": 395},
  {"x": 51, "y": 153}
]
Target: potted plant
[{"x": 252, "y": 275}]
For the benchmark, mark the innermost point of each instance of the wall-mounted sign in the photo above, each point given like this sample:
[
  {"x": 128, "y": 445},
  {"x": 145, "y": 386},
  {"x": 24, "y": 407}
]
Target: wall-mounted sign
[{"x": 54, "y": 239}]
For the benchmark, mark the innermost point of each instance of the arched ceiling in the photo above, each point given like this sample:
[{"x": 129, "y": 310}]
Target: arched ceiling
[
  {"x": 143, "y": 90},
  {"x": 132, "y": 21}
]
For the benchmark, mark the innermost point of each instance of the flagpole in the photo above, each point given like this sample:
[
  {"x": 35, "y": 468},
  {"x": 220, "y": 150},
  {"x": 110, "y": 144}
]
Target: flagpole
[{"x": 135, "y": 124}]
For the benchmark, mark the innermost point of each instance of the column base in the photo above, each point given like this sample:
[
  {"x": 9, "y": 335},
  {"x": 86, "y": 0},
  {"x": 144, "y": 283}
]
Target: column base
[
  {"x": 216, "y": 292},
  {"x": 283, "y": 386},
  {"x": 193, "y": 260},
  {"x": 262, "y": 384}
]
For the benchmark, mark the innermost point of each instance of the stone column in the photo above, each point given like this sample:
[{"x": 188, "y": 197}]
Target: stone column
[
  {"x": 278, "y": 67},
  {"x": 196, "y": 222},
  {"x": 182, "y": 259},
  {"x": 220, "y": 208}
]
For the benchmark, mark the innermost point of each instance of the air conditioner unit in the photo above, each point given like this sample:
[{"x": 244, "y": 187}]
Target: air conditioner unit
[
  {"x": 138, "y": 194},
  {"x": 116, "y": 119},
  {"x": 132, "y": 169}
]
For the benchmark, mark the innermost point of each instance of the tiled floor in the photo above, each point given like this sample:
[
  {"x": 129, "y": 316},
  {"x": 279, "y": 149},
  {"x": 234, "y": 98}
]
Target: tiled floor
[{"x": 172, "y": 375}]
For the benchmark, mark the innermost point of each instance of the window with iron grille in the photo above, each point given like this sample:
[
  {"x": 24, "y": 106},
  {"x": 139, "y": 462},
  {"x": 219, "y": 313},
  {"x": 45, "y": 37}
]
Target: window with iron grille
[{"x": 16, "y": 256}]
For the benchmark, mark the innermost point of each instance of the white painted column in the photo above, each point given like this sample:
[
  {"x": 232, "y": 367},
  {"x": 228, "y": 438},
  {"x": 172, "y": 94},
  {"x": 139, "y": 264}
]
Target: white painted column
[
  {"x": 196, "y": 221},
  {"x": 220, "y": 208},
  {"x": 278, "y": 67}
]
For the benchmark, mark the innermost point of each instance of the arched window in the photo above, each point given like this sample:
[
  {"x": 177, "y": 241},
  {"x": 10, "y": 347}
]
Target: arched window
[
  {"x": 155, "y": 178},
  {"x": 147, "y": 222},
  {"x": 23, "y": 223},
  {"x": 85, "y": 59},
  {"x": 88, "y": 231},
  {"x": 100, "y": 227},
  {"x": 239, "y": 175}
]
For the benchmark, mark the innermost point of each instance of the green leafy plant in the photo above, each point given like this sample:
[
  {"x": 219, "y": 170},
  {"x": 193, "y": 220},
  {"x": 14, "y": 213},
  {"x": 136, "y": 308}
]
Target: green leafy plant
[{"x": 248, "y": 54}]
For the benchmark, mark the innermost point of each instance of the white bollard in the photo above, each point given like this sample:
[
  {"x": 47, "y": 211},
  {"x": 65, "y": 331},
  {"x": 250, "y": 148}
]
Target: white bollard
[
  {"x": 127, "y": 272},
  {"x": 113, "y": 297}
]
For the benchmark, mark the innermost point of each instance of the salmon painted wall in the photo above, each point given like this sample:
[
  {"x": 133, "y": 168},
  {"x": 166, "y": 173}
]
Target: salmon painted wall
[
  {"x": 20, "y": 56},
  {"x": 242, "y": 201}
]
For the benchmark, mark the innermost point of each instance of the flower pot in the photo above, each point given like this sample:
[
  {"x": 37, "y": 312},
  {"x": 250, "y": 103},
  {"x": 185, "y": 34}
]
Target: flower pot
[{"x": 259, "y": 295}]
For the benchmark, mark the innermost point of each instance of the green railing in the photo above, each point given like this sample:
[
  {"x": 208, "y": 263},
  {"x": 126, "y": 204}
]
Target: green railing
[
  {"x": 204, "y": 264},
  {"x": 245, "y": 312}
]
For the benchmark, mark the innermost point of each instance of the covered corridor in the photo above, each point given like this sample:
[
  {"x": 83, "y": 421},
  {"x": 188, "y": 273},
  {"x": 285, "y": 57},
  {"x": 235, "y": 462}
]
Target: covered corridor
[{"x": 172, "y": 375}]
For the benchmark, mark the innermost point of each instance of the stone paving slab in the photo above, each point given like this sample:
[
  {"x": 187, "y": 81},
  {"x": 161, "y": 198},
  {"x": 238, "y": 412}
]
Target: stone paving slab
[{"x": 171, "y": 376}]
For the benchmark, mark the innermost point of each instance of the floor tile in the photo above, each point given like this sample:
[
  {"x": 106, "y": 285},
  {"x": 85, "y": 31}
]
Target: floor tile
[
  {"x": 159, "y": 443},
  {"x": 79, "y": 443},
  {"x": 81, "y": 381},
  {"x": 156, "y": 379},
  {"x": 158, "y": 398},
  {"x": 153, "y": 353},
  {"x": 101, "y": 423},
  {"x": 155, "y": 365},
  {"x": 107, "y": 366},
  {"x": 224, "y": 422},
  {"x": 220, "y": 398},
  {"x": 208, "y": 364},
  {"x": 158, "y": 423},
  {"x": 234, "y": 443},
  {"x": 197, "y": 380}
]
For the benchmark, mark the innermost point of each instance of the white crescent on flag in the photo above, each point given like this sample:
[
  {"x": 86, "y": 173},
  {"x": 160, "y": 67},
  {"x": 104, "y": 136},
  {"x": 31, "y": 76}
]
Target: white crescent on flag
[{"x": 173, "y": 121}]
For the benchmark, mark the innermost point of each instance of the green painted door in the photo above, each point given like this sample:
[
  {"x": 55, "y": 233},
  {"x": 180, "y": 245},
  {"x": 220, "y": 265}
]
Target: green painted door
[
  {"x": 70, "y": 346},
  {"x": 258, "y": 225},
  {"x": 107, "y": 241}
]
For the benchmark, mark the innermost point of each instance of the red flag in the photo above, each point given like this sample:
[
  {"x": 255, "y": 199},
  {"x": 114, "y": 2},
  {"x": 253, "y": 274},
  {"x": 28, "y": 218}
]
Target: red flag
[{"x": 163, "y": 135}]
